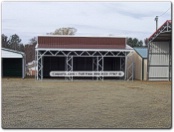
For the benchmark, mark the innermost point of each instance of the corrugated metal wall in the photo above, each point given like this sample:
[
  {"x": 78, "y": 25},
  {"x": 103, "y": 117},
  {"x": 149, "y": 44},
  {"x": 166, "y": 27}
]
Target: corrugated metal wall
[{"x": 158, "y": 61}]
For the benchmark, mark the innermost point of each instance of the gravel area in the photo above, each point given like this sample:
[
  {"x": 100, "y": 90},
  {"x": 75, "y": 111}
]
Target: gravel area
[{"x": 27, "y": 103}]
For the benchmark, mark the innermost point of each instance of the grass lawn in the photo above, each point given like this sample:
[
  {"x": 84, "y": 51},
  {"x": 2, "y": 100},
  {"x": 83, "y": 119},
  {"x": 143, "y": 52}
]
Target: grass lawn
[{"x": 85, "y": 104}]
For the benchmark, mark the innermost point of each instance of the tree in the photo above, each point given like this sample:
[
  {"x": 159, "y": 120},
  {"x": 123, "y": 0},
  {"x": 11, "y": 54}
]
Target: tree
[
  {"x": 30, "y": 49},
  {"x": 64, "y": 31},
  {"x": 14, "y": 42},
  {"x": 33, "y": 41},
  {"x": 146, "y": 41},
  {"x": 21, "y": 47},
  {"x": 4, "y": 41},
  {"x": 134, "y": 42}
]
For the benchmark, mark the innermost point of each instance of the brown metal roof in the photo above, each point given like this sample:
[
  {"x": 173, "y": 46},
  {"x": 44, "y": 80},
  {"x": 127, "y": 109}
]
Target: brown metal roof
[{"x": 81, "y": 42}]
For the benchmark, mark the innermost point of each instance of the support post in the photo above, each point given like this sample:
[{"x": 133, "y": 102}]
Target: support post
[
  {"x": 99, "y": 65},
  {"x": 122, "y": 65},
  {"x": 69, "y": 65},
  {"x": 42, "y": 68},
  {"x": 125, "y": 71}
]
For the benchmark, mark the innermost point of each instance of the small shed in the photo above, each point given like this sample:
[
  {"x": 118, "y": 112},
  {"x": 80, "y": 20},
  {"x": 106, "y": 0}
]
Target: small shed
[
  {"x": 13, "y": 63},
  {"x": 140, "y": 60}
]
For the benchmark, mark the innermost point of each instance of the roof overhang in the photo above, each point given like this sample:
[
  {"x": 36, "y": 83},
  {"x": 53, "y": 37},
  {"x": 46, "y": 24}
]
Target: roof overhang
[
  {"x": 82, "y": 36},
  {"x": 128, "y": 49},
  {"x": 8, "y": 53},
  {"x": 163, "y": 33}
]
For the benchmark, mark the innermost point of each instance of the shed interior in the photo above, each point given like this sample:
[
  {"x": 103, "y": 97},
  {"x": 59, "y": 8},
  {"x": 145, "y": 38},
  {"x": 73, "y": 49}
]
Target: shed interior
[
  {"x": 11, "y": 67},
  {"x": 80, "y": 64}
]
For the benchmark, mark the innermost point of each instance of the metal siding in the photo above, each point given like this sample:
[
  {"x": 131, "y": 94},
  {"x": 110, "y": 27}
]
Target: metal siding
[
  {"x": 159, "y": 72},
  {"x": 159, "y": 61},
  {"x": 160, "y": 47}
]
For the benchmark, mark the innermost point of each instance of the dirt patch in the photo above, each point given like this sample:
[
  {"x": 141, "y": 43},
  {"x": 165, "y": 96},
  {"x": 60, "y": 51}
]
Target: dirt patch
[{"x": 85, "y": 104}]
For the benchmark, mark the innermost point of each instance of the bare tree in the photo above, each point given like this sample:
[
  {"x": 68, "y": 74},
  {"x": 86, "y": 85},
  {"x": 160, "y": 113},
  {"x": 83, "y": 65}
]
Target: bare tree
[
  {"x": 33, "y": 41},
  {"x": 64, "y": 31},
  {"x": 146, "y": 41},
  {"x": 4, "y": 41},
  {"x": 30, "y": 49}
]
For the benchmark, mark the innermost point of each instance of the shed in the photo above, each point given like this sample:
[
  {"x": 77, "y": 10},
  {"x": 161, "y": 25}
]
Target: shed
[
  {"x": 160, "y": 53},
  {"x": 13, "y": 63},
  {"x": 91, "y": 57},
  {"x": 140, "y": 60}
]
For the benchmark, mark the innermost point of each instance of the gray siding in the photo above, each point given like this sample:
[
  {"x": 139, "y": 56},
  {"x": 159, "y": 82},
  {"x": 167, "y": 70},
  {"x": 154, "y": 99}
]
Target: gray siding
[{"x": 159, "y": 61}]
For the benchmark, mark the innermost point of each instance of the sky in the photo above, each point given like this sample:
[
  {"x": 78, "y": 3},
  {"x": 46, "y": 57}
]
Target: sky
[{"x": 119, "y": 19}]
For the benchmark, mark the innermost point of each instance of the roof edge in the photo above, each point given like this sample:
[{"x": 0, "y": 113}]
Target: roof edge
[
  {"x": 127, "y": 48},
  {"x": 76, "y": 36},
  {"x": 14, "y": 51},
  {"x": 168, "y": 21}
]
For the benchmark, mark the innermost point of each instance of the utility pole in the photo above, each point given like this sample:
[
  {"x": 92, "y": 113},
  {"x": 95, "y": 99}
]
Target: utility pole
[{"x": 156, "y": 19}]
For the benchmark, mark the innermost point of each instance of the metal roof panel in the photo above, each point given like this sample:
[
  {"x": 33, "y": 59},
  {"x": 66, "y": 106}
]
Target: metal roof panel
[
  {"x": 81, "y": 42},
  {"x": 142, "y": 52}
]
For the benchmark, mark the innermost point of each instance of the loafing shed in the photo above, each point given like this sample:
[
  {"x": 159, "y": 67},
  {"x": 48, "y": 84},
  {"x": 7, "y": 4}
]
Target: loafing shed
[
  {"x": 13, "y": 63},
  {"x": 160, "y": 54},
  {"x": 75, "y": 57}
]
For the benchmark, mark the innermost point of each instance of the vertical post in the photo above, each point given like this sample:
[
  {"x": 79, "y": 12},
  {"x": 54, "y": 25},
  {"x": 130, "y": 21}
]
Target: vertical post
[
  {"x": 69, "y": 65},
  {"x": 37, "y": 66},
  {"x": 156, "y": 19},
  {"x": 170, "y": 59},
  {"x": 148, "y": 60},
  {"x": 102, "y": 66},
  {"x": 132, "y": 66},
  {"x": 66, "y": 66},
  {"x": 122, "y": 65},
  {"x": 36, "y": 63},
  {"x": 72, "y": 66},
  {"x": 93, "y": 67},
  {"x": 42, "y": 68},
  {"x": 97, "y": 66},
  {"x": 125, "y": 69},
  {"x": 23, "y": 67}
]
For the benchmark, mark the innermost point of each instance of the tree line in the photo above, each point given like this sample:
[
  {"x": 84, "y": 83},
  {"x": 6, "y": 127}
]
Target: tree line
[{"x": 14, "y": 42}]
